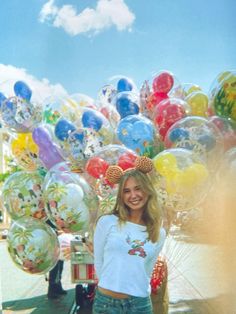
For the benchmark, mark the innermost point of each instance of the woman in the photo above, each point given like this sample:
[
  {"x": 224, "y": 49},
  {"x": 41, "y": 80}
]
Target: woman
[{"x": 127, "y": 243}]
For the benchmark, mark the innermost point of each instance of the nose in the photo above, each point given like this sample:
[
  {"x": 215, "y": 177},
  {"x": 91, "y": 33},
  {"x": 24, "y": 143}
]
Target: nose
[{"x": 133, "y": 193}]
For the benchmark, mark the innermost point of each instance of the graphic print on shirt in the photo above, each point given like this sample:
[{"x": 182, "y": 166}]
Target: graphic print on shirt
[{"x": 136, "y": 247}]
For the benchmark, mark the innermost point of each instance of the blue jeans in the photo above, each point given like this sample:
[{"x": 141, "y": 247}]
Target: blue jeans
[{"x": 104, "y": 304}]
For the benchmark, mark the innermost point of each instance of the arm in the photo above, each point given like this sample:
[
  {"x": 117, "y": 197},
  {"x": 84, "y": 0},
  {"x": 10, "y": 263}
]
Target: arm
[{"x": 100, "y": 237}]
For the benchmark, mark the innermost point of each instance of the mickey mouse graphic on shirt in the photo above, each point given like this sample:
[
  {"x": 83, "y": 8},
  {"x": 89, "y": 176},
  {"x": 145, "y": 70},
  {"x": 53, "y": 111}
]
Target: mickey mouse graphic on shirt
[{"x": 136, "y": 247}]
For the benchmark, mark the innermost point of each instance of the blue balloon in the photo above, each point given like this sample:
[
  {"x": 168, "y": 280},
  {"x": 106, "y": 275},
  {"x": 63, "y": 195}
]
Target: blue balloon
[
  {"x": 124, "y": 84},
  {"x": 124, "y": 130},
  {"x": 208, "y": 141},
  {"x": 2, "y": 99},
  {"x": 125, "y": 105},
  {"x": 178, "y": 134},
  {"x": 63, "y": 128},
  {"x": 142, "y": 132},
  {"x": 91, "y": 119},
  {"x": 22, "y": 90},
  {"x": 79, "y": 136}
]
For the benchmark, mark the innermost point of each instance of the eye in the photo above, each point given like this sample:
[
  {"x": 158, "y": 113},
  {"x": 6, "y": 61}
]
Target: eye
[{"x": 126, "y": 191}]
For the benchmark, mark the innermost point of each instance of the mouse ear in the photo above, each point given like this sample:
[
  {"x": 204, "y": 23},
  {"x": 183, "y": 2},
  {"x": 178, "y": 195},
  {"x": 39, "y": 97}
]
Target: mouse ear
[
  {"x": 143, "y": 164},
  {"x": 114, "y": 174}
]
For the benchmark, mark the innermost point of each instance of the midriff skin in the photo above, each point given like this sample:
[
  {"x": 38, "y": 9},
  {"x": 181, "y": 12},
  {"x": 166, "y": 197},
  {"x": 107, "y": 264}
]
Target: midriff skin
[{"x": 113, "y": 294}]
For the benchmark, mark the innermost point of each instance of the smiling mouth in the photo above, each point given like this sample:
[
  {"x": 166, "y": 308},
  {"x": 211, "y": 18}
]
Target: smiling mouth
[{"x": 135, "y": 202}]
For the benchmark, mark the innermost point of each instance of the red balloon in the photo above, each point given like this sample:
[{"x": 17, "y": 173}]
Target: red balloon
[
  {"x": 154, "y": 99},
  {"x": 167, "y": 113},
  {"x": 163, "y": 83},
  {"x": 127, "y": 160},
  {"x": 96, "y": 167}
]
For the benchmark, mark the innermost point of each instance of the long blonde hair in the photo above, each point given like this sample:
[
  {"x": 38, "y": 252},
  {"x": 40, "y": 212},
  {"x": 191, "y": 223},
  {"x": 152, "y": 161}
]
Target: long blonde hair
[{"x": 152, "y": 215}]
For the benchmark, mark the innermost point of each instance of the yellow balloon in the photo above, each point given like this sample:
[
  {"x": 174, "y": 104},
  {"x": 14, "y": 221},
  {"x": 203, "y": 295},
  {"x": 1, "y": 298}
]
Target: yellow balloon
[
  {"x": 198, "y": 102},
  {"x": 165, "y": 163},
  {"x": 25, "y": 151}
]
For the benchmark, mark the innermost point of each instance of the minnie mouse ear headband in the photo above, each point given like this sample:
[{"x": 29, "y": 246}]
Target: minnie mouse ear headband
[{"x": 142, "y": 163}]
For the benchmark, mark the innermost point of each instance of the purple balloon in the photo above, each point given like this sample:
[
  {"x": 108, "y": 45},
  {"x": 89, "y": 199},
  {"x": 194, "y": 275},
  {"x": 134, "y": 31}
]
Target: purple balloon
[{"x": 48, "y": 151}]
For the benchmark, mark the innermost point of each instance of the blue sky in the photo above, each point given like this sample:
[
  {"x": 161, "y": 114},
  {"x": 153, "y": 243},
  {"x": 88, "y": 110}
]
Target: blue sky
[{"x": 77, "y": 45}]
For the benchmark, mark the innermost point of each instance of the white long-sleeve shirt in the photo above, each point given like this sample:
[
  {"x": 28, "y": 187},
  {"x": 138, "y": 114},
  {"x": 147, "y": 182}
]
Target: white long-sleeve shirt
[{"x": 123, "y": 257}]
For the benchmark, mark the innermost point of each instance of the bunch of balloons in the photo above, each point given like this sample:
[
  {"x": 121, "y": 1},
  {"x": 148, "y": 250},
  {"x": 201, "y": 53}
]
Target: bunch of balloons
[{"x": 182, "y": 179}]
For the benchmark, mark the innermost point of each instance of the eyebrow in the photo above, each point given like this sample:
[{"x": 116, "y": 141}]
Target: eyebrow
[{"x": 136, "y": 186}]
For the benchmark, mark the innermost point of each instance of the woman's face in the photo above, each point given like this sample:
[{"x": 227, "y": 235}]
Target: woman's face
[{"x": 133, "y": 195}]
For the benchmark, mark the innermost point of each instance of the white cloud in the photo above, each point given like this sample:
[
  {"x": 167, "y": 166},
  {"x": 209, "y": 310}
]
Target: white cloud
[
  {"x": 107, "y": 13},
  {"x": 41, "y": 89}
]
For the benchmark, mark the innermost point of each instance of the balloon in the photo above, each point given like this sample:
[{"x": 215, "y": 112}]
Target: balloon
[
  {"x": 165, "y": 162},
  {"x": 208, "y": 141},
  {"x": 139, "y": 134},
  {"x": 22, "y": 90},
  {"x": 2, "y": 99},
  {"x": 112, "y": 154},
  {"x": 127, "y": 160},
  {"x": 124, "y": 84},
  {"x": 20, "y": 115},
  {"x": 25, "y": 151},
  {"x": 189, "y": 88},
  {"x": 70, "y": 200},
  {"x": 183, "y": 180},
  {"x": 223, "y": 95},
  {"x": 154, "y": 99},
  {"x": 106, "y": 94},
  {"x": 91, "y": 119},
  {"x": 178, "y": 133},
  {"x": 56, "y": 108},
  {"x": 81, "y": 100},
  {"x": 227, "y": 128},
  {"x": 163, "y": 82},
  {"x": 202, "y": 137},
  {"x": 168, "y": 112},
  {"x": 96, "y": 167},
  {"x": 126, "y": 104},
  {"x": 63, "y": 128},
  {"x": 33, "y": 245},
  {"x": 48, "y": 151},
  {"x": 23, "y": 195},
  {"x": 198, "y": 102}
]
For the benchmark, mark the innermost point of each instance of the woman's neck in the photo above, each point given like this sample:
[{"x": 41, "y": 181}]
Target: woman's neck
[{"x": 136, "y": 217}]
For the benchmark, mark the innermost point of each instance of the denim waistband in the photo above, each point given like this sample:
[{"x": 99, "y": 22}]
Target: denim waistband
[{"x": 130, "y": 299}]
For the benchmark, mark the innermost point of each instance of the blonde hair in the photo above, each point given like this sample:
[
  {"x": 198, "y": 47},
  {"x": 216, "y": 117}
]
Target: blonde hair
[{"x": 152, "y": 215}]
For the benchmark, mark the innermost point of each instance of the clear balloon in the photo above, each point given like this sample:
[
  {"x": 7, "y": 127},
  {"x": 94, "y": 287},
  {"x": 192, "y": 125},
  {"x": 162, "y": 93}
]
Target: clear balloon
[
  {"x": 111, "y": 155},
  {"x": 168, "y": 112},
  {"x": 223, "y": 95},
  {"x": 81, "y": 100},
  {"x": 126, "y": 103},
  {"x": 49, "y": 153},
  {"x": 20, "y": 115},
  {"x": 23, "y": 195},
  {"x": 56, "y": 108},
  {"x": 81, "y": 139},
  {"x": 25, "y": 151},
  {"x": 182, "y": 179},
  {"x": 198, "y": 103},
  {"x": 33, "y": 245},
  {"x": 198, "y": 135},
  {"x": 123, "y": 84},
  {"x": 139, "y": 134},
  {"x": 227, "y": 128},
  {"x": 70, "y": 200},
  {"x": 189, "y": 88},
  {"x": 22, "y": 90},
  {"x": 105, "y": 95}
]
